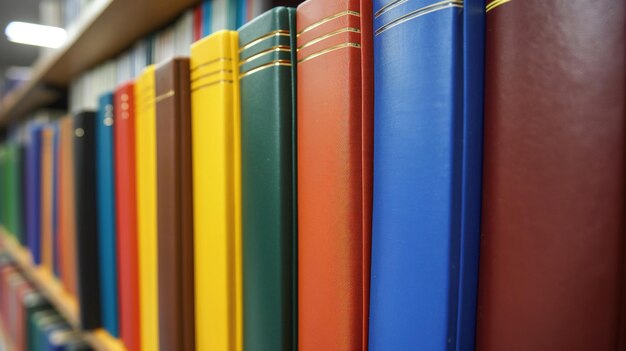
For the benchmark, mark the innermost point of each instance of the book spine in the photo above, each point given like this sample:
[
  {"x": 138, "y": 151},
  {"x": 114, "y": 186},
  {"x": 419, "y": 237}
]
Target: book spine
[
  {"x": 426, "y": 175},
  {"x": 47, "y": 180},
  {"x": 334, "y": 154},
  {"x": 145, "y": 138},
  {"x": 106, "y": 214},
  {"x": 126, "y": 212},
  {"x": 217, "y": 192},
  {"x": 175, "y": 206},
  {"x": 267, "y": 64},
  {"x": 552, "y": 243},
  {"x": 87, "y": 220}
]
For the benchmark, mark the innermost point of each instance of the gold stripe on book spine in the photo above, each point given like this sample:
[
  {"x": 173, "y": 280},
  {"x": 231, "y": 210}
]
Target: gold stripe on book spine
[
  {"x": 326, "y": 36},
  {"x": 276, "y": 33},
  {"x": 329, "y": 50},
  {"x": 278, "y": 48},
  {"x": 492, "y": 5},
  {"x": 328, "y": 19},
  {"x": 275, "y": 63},
  {"x": 208, "y": 63},
  {"x": 199, "y": 87},
  {"x": 164, "y": 96},
  {"x": 442, "y": 5},
  {"x": 388, "y": 7},
  {"x": 212, "y": 73}
]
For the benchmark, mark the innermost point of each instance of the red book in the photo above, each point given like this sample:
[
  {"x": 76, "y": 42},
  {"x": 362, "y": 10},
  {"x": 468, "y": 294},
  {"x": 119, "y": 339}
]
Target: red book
[
  {"x": 197, "y": 23},
  {"x": 335, "y": 118},
  {"x": 554, "y": 174},
  {"x": 124, "y": 153}
]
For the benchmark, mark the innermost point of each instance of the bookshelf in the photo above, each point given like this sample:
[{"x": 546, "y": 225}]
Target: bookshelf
[
  {"x": 105, "y": 29},
  {"x": 50, "y": 287}
]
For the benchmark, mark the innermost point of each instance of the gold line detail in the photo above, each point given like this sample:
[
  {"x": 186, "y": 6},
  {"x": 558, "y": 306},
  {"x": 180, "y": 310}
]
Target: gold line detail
[
  {"x": 328, "y": 19},
  {"x": 211, "y": 84},
  {"x": 330, "y": 49},
  {"x": 492, "y": 5},
  {"x": 326, "y": 36},
  {"x": 278, "y": 48},
  {"x": 420, "y": 12},
  {"x": 212, "y": 73},
  {"x": 221, "y": 59},
  {"x": 276, "y": 33},
  {"x": 275, "y": 63},
  {"x": 389, "y": 6},
  {"x": 164, "y": 96}
]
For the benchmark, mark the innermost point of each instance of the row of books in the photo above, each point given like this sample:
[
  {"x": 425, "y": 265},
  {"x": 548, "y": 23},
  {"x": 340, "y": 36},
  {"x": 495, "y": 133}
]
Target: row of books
[
  {"x": 28, "y": 321},
  {"x": 320, "y": 180}
]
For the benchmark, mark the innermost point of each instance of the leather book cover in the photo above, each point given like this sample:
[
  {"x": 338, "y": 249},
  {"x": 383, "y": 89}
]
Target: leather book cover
[
  {"x": 33, "y": 191},
  {"x": 67, "y": 207},
  {"x": 216, "y": 147},
  {"x": 126, "y": 214},
  {"x": 268, "y": 160},
  {"x": 87, "y": 220},
  {"x": 335, "y": 117},
  {"x": 428, "y": 73},
  {"x": 107, "y": 240},
  {"x": 145, "y": 147},
  {"x": 552, "y": 246},
  {"x": 46, "y": 179},
  {"x": 175, "y": 206}
]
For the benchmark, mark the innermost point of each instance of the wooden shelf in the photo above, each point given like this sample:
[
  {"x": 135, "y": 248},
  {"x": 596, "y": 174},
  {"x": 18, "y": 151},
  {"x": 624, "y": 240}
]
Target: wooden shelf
[
  {"x": 105, "y": 29},
  {"x": 52, "y": 290}
]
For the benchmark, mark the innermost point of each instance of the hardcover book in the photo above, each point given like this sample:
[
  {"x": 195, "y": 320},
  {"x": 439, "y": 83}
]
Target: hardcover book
[
  {"x": 428, "y": 73},
  {"x": 47, "y": 183},
  {"x": 145, "y": 138},
  {"x": 335, "y": 107},
  {"x": 87, "y": 220},
  {"x": 126, "y": 214},
  {"x": 175, "y": 206},
  {"x": 552, "y": 246},
  {"x": 267, "y": 73},
  {"x": 67, "y": 207},
  {"x": 105, "y": 167},
  {"x": 217, "y": 191},
  {"x": 33, "y": 191}
]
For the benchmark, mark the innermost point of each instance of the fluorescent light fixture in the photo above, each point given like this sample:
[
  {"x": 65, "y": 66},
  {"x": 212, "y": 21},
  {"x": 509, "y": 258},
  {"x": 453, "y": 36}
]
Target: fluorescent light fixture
[{"x": 35, "y": 34}]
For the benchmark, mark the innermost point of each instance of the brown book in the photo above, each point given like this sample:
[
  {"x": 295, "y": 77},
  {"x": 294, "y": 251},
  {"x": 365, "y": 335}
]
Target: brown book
[
  {"x": 552, "y": 250},
  {"x": 174, "y": 208}
]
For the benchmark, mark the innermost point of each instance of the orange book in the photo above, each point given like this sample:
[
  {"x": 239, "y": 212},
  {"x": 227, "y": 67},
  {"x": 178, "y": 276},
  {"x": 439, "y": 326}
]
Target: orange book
[
  {"x": 67, "y": 210},
  {"x": 47, "y": 136}
]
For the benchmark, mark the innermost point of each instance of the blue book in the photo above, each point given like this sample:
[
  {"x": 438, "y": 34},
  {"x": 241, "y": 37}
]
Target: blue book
[
  {"x": 106, "y": 214},
  {"x": 207, "y": 15},
  {"x": 33, "y": 191},
  {"x": 428, "y": 70},
  {"x": 242, "y": 12},
  {"x": 55, "y": 202}
]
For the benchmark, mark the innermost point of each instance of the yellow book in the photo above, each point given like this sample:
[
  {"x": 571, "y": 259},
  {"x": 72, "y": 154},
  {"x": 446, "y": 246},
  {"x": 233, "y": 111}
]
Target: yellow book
[
  {"x": 217, "y": 192},
  {"x": 145, "y": 139}
]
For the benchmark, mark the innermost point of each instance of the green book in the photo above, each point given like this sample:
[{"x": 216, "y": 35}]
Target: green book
[
  {"x": 13, "y": 187},
  {"x": 268, "y": 155}
]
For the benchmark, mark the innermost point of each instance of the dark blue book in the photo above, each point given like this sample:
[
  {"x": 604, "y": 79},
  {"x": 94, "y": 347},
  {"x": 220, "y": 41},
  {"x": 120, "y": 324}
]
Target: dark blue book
[
  {"x": 106, "y": 214},
  {"x": 55, "y": 202},
  {"x": 428, "y": 70},
  {"x": 33, "y": 191}
]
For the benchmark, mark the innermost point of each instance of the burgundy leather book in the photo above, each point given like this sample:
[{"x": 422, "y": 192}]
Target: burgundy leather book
[
  {"x": 174, "y": 208},
  {"x": 552, "y": 255}
]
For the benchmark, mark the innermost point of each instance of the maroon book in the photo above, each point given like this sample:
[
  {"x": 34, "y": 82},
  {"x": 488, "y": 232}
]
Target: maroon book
[{"x": 552, "y": 250}]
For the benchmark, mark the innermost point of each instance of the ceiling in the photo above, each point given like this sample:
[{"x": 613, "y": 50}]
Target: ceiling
[{"x": 12, "y": 54}]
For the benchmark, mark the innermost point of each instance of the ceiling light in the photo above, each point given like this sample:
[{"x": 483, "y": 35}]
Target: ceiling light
[{"x": 35, "y": 34}]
